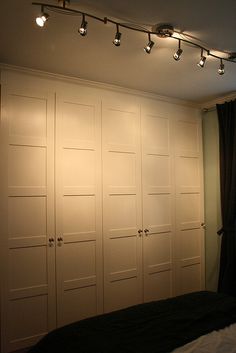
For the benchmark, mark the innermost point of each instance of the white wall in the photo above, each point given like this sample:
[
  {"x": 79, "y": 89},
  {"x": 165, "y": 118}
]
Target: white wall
[{"x": 212, "y": 197}]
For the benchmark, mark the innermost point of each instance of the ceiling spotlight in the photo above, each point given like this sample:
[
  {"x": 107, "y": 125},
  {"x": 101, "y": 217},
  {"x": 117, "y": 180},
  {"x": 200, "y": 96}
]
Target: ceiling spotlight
[
  {"x": 42, "y": 18},
  {"x": 83, "y": 27},
  {"x": 116, "y": 41},
  {"x": 221, "y": 69},
  {"x": 202, "y": 60},
  {"x": 178, "y": 53},
  {"x": 149, "y": 46}
]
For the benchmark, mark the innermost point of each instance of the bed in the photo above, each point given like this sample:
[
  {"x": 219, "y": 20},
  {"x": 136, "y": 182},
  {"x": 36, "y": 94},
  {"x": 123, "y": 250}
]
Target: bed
[{"x": 156, "y": 327}]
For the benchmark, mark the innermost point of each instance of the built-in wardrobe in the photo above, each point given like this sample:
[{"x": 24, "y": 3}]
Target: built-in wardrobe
[{"x": 101, "y": 201}]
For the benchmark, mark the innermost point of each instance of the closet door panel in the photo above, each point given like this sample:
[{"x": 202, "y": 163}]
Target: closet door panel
[
  {"x": 158, "y": 220},
  {"x": 121, "y": 205},
  {"x": 30, "y": 222},
  {"x": 189, "y": 204},
  {"x": 78, "y": 215}
]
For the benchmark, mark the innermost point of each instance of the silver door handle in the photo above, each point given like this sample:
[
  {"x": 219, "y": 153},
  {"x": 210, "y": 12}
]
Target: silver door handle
[{"x": 146, "y": 231}]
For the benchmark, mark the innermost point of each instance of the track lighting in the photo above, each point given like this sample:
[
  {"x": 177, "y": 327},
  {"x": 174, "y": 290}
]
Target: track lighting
[
  {"x": 149, "y": 46},
  {"x": 42, "y": 18},
  {"x": 83, "y": 27},
  {"x": 221, "y": 69},
  {"x": 202, "y": 60},
  {"x": 178, "y": 53},
  {"x": 116, "y": 41},
  {"x": 162, "y": 31}
]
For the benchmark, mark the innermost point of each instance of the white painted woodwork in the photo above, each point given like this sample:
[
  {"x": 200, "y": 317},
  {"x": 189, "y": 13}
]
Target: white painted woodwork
[
  {"x": 29, "y": 129},
  {"x": 78, "y": 208},
  {"x": 158, "y": 203},
  {"x": 122, "y": 214},
  {"x": 70, "y": 238},
  {"x": 189, "y": 205}
]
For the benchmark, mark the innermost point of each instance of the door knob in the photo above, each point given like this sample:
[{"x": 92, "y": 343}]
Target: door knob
[
  {"x": 203, "y": 225},
  {"x": 51, "y": 241},
  {"x": 146, "y": 231},
  {"x": 59, "y": 240},
  {"x": 140, "y": 231}
]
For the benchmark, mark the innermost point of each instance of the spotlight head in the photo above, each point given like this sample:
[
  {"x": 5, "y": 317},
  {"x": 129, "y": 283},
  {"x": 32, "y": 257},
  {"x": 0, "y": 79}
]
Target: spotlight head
[
  {"x": 178, "y": 54},
  {"x": 148, "y": 47},
  {"x": 41, "y": 19},
  {"x": 83, "y": 27},
  {"x": 116, "y": 41},
  {"x": 202, "y": 62},
  {"x": 221, "y": 69}
]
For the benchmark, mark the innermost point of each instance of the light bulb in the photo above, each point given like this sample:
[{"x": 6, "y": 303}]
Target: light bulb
[
  {"x": 116, "y": 41},
  {"x": 148, "y": 47},
  {"x": 177, "y": 54},
  {"x": 41, "y": 20},
  {"x": 221, "y": 69},
  {"x": 83, "y": 27}
]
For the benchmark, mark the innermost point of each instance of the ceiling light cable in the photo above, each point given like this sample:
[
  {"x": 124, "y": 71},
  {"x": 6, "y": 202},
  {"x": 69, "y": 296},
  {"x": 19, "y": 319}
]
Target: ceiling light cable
[
  {"x": 221, "y": 69},
  {"x": 42, "y": 18},
  {"x": 149, "y": 46},
  {"x": 178, "y": 53},
  {"x": 83, "y": 27},
  {"x": 116, "y": 41}
]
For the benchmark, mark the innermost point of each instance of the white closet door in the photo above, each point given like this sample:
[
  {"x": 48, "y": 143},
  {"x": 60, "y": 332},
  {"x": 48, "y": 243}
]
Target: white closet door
[
  {"x": 29, "y": 297},
  {"x": 158, "y": 217},
  {"x": 78, "y": 208},
  {"x": 189, "y": 204},
  {"x": 121, "y": 205}
]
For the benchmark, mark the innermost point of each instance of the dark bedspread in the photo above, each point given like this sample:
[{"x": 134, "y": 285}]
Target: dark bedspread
[{"x": 154, "y": 327}]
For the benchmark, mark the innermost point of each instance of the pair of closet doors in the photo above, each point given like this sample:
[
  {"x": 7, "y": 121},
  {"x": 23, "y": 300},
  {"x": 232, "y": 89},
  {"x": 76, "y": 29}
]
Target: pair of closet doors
[
  {"x": 138, "y": 204},
  {"x": 53, "y": 206}
]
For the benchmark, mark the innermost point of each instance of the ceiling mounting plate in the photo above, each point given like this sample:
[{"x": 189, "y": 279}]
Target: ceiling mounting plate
[
  {"x": 163, "y": 30},
  {"x": 63, "y": 3}
]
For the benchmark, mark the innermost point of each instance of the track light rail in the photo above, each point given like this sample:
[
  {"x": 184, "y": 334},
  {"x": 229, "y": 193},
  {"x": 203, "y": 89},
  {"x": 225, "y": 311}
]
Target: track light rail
[{"x": 68, "y": 11}]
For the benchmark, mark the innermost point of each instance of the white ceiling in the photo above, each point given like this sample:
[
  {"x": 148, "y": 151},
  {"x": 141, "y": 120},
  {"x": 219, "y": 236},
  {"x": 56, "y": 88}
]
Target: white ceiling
[{"x": 58, "y": 48}]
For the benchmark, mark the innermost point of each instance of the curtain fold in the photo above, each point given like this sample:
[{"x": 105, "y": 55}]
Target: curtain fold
[{"x": 227, "y": 143}]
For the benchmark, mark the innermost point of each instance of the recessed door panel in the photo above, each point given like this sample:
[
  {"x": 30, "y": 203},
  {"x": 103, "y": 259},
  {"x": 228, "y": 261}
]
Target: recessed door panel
[
  {"x": 80, "y": 302},
  {"x": 79, "y": 214},
  {"x": 191, "y": 278},
  {"x": 27, "y": 216},
  {"x": 27, "y": 167},
  {"x": 27, "y": 119},
  {"x": 29, "y": 321},
  {"x": 28, "y": 268},
  {"x": 78, "y": 168}
]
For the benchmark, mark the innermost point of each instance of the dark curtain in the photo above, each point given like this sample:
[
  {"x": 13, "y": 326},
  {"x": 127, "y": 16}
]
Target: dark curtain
[{"x": 227, "y": 142}]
